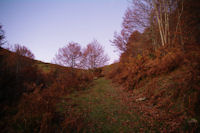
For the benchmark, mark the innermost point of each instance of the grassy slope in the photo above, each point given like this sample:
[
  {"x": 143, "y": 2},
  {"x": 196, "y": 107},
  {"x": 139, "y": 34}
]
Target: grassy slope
[
  {"x": 48, "y": 67},
  {"x": 44, "y": 67},
  {"x": 171, "y": 98},
  {"x": 102, "y": 108},
  {"x": 107, "y": 108}
]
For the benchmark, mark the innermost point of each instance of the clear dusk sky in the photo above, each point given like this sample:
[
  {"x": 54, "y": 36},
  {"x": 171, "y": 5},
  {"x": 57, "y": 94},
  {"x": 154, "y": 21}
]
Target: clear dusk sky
[{"x": 44, "y": 26}]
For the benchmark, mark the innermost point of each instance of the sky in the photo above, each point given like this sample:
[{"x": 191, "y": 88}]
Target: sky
[{"x": 44, "y": 26}]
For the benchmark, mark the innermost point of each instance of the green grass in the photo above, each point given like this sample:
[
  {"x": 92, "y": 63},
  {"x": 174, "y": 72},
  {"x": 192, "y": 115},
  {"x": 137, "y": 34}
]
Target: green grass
[
  {"x": 48, "y": 67},
  {"x": 44, "y": 67},
  {"x": 103, "y": 108}
]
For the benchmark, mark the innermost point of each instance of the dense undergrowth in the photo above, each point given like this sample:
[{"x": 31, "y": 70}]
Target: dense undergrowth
[
  {"x": 161, "y": 65},
  {"x": 160, "y": 69},
  {"x": 167, "y": 77},
  {"x": 29, "y": 93}
]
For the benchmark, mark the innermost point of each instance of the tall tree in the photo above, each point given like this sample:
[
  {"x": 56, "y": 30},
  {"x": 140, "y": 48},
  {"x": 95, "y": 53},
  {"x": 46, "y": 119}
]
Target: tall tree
[
  {"x": 69, "y": 55},
  {"x": 93, "y": 56},
  {"x": 156, "y": 16}
]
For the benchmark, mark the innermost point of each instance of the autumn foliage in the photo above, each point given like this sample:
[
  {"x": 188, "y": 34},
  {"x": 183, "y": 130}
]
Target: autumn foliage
[
  {"x": 159, "y": 67},
  {"x": 163, "y": 72},
  {"x": 29, "y": 96}
]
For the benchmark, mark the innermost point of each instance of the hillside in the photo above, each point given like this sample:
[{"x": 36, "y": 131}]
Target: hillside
[
  {"x": 26, "y": 85},
  {"x": 153, "y": 87},
  {"x": 166, "y": 86},
  {"x": 164, "y": 100}
]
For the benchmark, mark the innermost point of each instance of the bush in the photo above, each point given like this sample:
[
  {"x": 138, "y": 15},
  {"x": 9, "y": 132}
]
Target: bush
[{"x": 130, "y": 72}]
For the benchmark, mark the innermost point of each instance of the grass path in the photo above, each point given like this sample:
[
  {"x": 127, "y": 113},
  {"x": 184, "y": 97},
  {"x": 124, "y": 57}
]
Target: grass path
[{"x": 102, "y": 108}]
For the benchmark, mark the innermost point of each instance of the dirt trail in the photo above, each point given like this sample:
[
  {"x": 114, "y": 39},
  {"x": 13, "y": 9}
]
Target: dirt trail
[{"x": 102, "y": 108}]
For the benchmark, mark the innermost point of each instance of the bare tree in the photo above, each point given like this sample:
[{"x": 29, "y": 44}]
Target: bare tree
[
  {"x": 120, "y": 41},
  {"x": 93, "y": 56},
  {"x": 137, "y": 17},
  {"x": 19, "y": 60},
  {"x": 140, "y": 16},
  {"x": 156, "y": 16},
  {"x": 163, "y": 10},
  {"x": 23, "y": 51},
  {"x": 69, "y": 55},
  {"x": 1, "y": 36}
]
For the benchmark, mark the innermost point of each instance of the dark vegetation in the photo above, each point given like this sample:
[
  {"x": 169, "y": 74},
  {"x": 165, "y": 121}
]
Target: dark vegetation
[
  {"x": 31, "y": 89},
  {"x": 156, "y": 82},
  {"x": 165, "y": 75}
]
